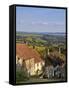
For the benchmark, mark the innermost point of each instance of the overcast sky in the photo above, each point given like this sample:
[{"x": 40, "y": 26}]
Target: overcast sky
[{"x": 40, "y": 19}]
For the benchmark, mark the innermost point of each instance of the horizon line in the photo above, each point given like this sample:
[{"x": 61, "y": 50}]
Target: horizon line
[{"x": 40, "y": 32}]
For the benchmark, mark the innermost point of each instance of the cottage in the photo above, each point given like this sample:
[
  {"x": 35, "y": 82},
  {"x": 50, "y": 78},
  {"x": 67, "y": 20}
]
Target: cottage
[
  {"x": 28, "y": 58},
  {"x": 49, "y": 71},
  {"x": 57, "y": 71}
]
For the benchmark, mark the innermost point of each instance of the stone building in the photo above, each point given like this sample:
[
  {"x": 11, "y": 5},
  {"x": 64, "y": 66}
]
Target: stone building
[{"x": 28, "y": 58}]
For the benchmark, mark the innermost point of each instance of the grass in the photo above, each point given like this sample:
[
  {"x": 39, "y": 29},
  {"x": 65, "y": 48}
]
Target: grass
[{"x": 38, "y": 80}]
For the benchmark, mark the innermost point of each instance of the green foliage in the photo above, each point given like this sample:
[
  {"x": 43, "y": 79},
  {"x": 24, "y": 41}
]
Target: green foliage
[
  {"x": 63, "y": 51},
  {"x": 21, "y": 75},
  {"x": 41, "y": 50}
]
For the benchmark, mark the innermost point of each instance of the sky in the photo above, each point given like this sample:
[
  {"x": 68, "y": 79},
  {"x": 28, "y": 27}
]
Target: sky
[{"x": 40, "y": 19}]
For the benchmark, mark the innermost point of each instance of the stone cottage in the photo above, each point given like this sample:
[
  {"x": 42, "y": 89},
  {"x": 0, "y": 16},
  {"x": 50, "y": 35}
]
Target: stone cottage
[{"x": 28, "y": 58}]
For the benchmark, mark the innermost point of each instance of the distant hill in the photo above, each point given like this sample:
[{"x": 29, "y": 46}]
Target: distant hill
[{"x": 47, "y": 33}]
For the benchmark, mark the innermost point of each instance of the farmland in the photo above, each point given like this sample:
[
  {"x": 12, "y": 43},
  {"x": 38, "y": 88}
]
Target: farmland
[{"x": 42, "y": 41}]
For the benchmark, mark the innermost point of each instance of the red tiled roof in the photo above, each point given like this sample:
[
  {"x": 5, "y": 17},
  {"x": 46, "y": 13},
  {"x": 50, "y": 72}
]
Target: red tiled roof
[{"x": 23, "y": 50}]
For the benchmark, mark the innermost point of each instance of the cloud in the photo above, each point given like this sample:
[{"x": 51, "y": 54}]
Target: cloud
[{"x": 48, "y": 23}]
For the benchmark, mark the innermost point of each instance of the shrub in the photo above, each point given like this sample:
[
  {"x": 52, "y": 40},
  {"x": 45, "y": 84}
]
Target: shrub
[{"x": 21, "y": 75}]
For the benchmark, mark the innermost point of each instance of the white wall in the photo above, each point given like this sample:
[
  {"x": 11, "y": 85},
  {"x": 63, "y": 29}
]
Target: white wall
[{"x": 4, "y": 44}]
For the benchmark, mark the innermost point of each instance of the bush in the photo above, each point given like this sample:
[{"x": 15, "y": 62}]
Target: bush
[{"x": 21, "y": 75}]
